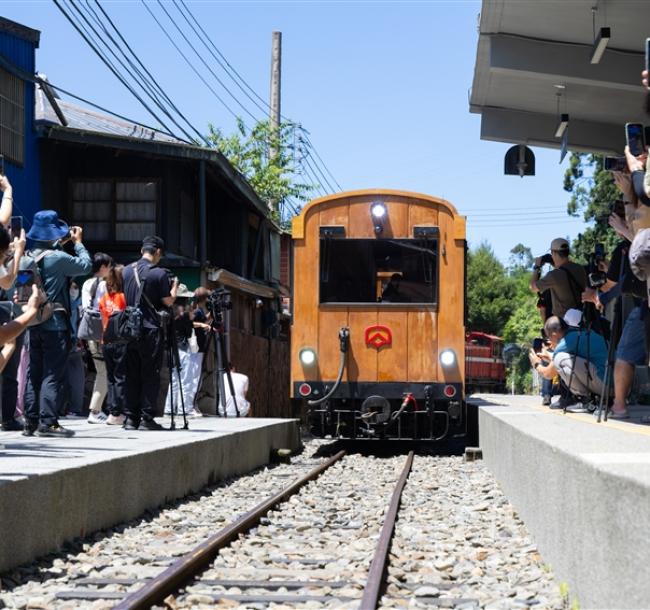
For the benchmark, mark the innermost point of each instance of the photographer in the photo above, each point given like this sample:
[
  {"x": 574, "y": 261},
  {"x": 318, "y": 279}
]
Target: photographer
[
  {"x": 631, "y": 348},
  {"x": 580, "y": 364},
  {"x": 190, "y": 363},
  {"x": 144, "y": 357},
  {"x": 566, "y": 281},
  {"x": 50, "y": 341}
]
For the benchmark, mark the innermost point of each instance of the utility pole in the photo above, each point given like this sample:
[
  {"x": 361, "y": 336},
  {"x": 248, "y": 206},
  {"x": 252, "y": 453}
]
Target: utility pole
[{"x": 276, "y": 75}]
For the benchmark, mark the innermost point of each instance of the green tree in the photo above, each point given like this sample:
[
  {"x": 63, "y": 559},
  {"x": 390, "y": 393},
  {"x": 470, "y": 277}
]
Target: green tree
[
  {"x": 592, "y": 191},
  {"x": 489, "y": 291},
  {"x": 275, "y": 178}
]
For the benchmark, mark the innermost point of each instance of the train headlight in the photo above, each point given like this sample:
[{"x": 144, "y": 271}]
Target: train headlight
[
  {"x": 307, "y": 356},
  {"x": 378, "y": 213},
  {"x": 447, "y": 357}
]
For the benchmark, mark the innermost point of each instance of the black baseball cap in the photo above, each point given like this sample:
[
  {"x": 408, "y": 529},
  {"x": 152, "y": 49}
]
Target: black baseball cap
[{"x": 153, "y": 241}]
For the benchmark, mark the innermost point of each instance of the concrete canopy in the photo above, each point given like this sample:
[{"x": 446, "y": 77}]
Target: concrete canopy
[{"x": 527, "y": 48}]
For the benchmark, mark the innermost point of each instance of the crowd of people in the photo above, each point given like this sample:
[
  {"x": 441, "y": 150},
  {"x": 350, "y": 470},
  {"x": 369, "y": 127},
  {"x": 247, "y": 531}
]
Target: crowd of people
[
  {"x": 85, "y": 337},
  {"x": 597, "y": 319}
]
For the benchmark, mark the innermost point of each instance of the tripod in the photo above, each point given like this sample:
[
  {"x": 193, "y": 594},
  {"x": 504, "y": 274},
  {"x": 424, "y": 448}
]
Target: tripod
[
  {"x": 217, "y": 302},
  {"x": 174, "y": 363}
]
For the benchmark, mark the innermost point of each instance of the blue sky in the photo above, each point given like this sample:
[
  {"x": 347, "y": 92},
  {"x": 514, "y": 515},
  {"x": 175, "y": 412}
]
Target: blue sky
[{"x": 381, "y": 86}]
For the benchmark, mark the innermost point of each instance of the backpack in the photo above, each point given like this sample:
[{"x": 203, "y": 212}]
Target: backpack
[
  {"x": 31, "y": 262},
  {"x": 126, "y": 326}
]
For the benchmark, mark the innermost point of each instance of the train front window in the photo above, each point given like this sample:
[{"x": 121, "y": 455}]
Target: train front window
[{"x": 378, "y": 271}]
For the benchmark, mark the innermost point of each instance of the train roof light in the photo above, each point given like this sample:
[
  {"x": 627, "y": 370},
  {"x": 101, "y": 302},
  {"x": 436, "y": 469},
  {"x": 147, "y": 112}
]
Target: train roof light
[
  {"x": 447, "y": 357},
  {"x": 378, "y": 213}
]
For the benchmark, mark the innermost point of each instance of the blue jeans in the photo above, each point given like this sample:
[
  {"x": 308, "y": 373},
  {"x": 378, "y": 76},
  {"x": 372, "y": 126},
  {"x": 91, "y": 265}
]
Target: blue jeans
[
  {"x": 48, "y": 357},
  {"x": 547, "y": 387}
]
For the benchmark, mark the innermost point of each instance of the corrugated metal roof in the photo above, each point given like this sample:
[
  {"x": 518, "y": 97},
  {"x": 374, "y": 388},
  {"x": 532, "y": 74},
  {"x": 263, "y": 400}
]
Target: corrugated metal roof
[{"x": 91, "y": 120}]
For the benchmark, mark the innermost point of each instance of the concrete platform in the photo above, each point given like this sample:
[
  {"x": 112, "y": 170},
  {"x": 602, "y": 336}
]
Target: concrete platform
[
  {"x": 583, "y": 490},
  {"x": 54, "y": 490}
]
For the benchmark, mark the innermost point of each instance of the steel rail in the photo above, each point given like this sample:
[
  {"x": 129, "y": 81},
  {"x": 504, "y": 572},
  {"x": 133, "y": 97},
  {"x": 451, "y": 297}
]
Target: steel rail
[
  {"x": 375, "y": 581},
  {"x": 193, "y": 563}
]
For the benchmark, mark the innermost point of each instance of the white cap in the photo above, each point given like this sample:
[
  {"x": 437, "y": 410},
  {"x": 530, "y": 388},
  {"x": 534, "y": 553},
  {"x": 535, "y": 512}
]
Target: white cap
[{"x": 572, "y": 317}]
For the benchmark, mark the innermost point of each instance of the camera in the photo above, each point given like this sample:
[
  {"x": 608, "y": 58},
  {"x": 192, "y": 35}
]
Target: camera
[
  {"x": 546, "y": 259},
  {"x": 596, "y": 277},
  {"x": 218, "y": 302}
]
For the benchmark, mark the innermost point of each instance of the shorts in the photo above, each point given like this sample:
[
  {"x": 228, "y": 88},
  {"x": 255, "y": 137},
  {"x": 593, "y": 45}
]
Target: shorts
[{"x": 631, "y": 348}]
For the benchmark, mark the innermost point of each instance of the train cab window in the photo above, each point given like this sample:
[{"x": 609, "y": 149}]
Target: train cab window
[{"x": 378, "y": 271}]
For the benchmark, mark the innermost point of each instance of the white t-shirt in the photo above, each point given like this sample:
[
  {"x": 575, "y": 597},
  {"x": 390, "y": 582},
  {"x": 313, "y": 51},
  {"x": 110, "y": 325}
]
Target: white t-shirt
[
  {"x": 87, "y": 302},
  {"x": 240, "y": 385}
]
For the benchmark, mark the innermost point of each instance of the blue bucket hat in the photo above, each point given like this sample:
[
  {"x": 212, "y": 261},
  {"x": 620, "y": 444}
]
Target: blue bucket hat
[{"x": 47, "y": 227}]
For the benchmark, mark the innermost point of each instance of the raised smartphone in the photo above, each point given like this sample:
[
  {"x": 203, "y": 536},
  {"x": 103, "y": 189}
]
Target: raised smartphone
[{"x": 635, "y": 137}]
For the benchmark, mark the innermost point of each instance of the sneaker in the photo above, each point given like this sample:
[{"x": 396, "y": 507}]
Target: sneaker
[
  {"x": 54, "y": 430},
  {"x": 30, "y": 427},
  {"x": 578, "y": 407},
  {"x": 129, "y": 424},
  {"x": 546, "y": 400},
  {"x": 96, "y": 418},
  {"x": 13, "y": 425},
  {"x": 150, "y": 424},
  {"x": 115, "y": 420},
  {"x": 558, "y": 403}
]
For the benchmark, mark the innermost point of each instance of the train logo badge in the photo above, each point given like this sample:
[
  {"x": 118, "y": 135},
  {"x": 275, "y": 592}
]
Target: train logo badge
[{"x": 378, "y": 336}]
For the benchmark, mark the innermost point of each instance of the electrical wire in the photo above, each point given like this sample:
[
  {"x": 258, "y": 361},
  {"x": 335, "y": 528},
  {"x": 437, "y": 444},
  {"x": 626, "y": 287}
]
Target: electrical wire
[
  {"x": 220, "y": 58},
  {"x": 205, "y": 63},
  {"x": 144, "y": 68},
  {"x": 230, "y": 70},
  {"x": 323, "y": 181},
  {"x": 131, "y": 70},
  {"x": 189, "y": 63},
  {"x": 112, "y": 68}
]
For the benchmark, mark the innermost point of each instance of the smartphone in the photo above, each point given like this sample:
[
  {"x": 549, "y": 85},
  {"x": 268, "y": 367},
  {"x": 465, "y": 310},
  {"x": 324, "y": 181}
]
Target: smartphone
[
  {"x": 538, "y": 342},
  {"x": 16, "y": 226},
  {"x": 647, "y": 55},
  {"x": 635, "y": 137},
  {"x": 599, "y": 251},
  {"x": 615, "y": 164},
  {"x": 24, "y": 283}
]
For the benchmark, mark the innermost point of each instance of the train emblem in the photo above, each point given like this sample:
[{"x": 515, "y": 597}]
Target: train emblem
[{"x": 378, "y": 336}]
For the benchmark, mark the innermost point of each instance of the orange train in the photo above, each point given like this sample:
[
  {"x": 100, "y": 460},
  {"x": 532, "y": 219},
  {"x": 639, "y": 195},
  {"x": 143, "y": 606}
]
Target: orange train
[{"x": 378, "y": 335}]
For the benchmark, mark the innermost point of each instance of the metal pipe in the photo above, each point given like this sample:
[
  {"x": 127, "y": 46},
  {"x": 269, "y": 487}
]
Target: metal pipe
[
  {"x": 344, "y": 341},
  {"x": 372, "y": 590},
  {"x": 187, "y": 567}
]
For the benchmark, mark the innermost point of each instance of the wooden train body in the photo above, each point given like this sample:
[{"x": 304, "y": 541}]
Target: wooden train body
[{"x": 378, "y": 337}]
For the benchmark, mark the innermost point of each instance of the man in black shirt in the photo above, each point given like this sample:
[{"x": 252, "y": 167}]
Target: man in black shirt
[{"x": 144, "y": 357}]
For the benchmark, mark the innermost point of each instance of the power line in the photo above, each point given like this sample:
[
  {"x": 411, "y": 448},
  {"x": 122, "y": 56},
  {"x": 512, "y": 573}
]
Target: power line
[
  {"x": 144, "y": 68},
  {"x": 205, "y": 63},
  {"x": 317, "y": 171},
  {"x": 131, "y": 70},
  {"x": 110, "y": 66},
  {"x": 220, "y": 58},
  {"x": 310, "y": 144},
  {"x": 188, "y": 62}
]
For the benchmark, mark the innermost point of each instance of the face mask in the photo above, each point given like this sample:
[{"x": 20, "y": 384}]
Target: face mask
[{"x": 74, "y": 294}]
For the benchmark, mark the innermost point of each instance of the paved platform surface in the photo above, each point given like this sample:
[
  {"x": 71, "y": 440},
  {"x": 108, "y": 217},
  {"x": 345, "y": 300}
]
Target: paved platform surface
[
  {"x": 583, "y": 490},
  {"x": 53, "y": 490}
]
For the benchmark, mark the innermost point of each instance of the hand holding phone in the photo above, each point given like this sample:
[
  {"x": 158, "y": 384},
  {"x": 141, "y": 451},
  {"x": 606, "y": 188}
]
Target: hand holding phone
[{"x": 635, "y": 137}]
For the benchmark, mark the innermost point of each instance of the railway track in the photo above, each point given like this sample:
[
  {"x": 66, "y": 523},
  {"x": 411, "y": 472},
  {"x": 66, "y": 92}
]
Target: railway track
[
  {"x": 323, "y": 533},
  {"x": 295, "y": 516}
]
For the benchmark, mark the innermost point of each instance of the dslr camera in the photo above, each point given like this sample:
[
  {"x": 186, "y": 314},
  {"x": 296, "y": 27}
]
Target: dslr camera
[
  {"x": 546, "y": 259},
  {"x": 596, "y": 277}
]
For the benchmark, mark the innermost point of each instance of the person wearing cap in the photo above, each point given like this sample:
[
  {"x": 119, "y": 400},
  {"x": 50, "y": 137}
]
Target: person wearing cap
[
  {"x": 566, "y": 281},
  {"x": 190, "y": 364},
  {"x": 50, "y": 342},
  {"x": 144, "y": 357},
  {"x": 578, "y": 357}
]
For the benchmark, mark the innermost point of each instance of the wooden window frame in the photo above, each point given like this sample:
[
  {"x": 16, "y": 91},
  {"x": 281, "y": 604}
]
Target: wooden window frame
[
  {"x": 112, "y": 240},
  {"x": 18, "y": 146}
]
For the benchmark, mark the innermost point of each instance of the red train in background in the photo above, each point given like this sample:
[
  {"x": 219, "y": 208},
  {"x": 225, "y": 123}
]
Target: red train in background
[{"x": 485, "y": 369}]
